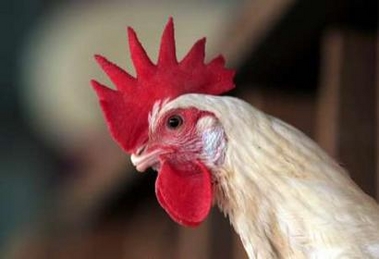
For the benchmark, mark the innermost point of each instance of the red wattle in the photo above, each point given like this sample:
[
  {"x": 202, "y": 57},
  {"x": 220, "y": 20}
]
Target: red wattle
[{"x": 185, "y": 191}]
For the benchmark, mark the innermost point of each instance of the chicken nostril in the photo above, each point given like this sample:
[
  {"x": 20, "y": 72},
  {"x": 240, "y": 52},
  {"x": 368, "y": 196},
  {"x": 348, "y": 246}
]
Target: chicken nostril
[{"x": 140, "y": 150}]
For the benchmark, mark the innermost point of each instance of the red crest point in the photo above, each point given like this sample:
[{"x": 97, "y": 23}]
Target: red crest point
[{"x": 126, "y": 109}]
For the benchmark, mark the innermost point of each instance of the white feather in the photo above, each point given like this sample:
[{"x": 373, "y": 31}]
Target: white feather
[{"x": 285, "y": 197}]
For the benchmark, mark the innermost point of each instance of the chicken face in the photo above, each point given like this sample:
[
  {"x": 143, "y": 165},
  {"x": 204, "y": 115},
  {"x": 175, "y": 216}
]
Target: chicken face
[
  {"x": 184, "y": 145},
  {"x": 181, "y": 136}
]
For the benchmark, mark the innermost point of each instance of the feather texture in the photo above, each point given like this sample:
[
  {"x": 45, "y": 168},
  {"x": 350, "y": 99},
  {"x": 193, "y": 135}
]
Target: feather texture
[{"x": 284, "y": 195}]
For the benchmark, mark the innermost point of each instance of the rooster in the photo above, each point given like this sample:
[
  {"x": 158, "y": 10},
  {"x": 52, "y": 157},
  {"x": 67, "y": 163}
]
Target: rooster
[{"x": 284, "y": 196}]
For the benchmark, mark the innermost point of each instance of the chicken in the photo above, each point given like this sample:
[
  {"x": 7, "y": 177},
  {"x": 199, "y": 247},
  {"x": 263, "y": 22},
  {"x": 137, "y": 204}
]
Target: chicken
[{"x": 284, "y": 196}]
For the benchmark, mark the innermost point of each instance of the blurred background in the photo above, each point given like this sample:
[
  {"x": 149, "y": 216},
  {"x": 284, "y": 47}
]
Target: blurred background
[{"x": 67, "y": 191}]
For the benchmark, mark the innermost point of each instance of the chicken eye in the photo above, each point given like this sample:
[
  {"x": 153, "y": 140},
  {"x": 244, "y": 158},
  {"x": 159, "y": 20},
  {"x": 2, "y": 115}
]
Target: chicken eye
[{"x": 174, "y": 122}]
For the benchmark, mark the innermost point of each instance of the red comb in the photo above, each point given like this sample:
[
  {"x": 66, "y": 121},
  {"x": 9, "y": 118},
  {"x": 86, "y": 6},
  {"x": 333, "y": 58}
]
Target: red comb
[{"x": 126, "y": 109}]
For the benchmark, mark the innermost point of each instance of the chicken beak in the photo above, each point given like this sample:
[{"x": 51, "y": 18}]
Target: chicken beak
[{"x": 146, "y": 158}]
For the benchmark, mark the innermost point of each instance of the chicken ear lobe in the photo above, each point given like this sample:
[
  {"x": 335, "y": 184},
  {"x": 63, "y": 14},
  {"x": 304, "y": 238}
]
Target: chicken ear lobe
[{"x": 185, "y": 191}]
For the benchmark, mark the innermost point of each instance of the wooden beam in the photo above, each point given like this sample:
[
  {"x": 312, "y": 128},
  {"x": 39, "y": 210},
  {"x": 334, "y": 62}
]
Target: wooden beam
[{"x": 347, "y": 104}]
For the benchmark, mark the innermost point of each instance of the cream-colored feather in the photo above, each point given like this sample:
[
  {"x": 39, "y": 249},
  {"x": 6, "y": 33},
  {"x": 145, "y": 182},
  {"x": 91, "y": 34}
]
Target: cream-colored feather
[{"x": 284, "y": 195}]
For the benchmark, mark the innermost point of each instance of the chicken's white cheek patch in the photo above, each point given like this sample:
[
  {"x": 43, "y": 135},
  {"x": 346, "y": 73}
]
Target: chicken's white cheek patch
[
  {"x": 213, "y": 145},
  {"x": 185, "y": 191}
]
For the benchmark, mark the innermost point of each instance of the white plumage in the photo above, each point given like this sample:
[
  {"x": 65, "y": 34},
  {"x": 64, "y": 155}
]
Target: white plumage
[{"x": 284, "y": 195}]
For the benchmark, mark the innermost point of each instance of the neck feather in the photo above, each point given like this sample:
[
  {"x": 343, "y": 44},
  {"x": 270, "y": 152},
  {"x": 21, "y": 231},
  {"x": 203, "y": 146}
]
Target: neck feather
[
  {"x": 276, "y": 186},
  {"x": 284, "y": 196}
]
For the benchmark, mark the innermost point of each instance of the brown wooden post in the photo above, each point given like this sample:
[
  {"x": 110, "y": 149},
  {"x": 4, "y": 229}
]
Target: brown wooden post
[{"x": 347, "y": 104}]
